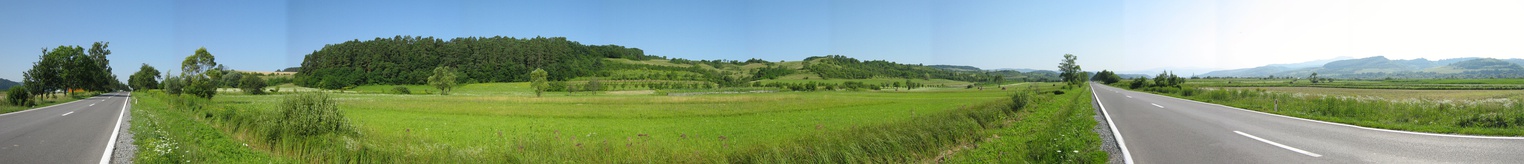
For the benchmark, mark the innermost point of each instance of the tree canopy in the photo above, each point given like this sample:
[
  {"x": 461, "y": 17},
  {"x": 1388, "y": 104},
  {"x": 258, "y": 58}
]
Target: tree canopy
[
  {"x": 146, "y": 78},
  {"x": 409, "y": 60}
]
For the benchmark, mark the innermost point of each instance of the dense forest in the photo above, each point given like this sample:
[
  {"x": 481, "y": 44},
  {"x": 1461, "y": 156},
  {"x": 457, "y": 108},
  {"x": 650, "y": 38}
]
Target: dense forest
[{"x": 408, "y": 60}]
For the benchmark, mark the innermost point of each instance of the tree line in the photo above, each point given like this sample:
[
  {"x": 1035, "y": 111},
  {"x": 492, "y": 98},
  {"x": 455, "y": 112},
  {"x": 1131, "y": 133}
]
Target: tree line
[
  {"x": 410, "y": 60},
  {"x": 842, "y": 67},
  {"x": 67, "y": 69}
]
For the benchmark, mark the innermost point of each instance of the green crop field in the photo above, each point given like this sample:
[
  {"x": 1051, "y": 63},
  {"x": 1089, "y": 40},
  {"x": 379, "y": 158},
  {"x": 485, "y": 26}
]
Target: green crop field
[{"x": 503, "y": 122}]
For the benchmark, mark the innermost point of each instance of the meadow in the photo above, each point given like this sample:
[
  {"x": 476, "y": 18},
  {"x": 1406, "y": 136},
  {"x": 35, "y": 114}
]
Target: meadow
[
  {"x": 1416, "y": 107},
  {"x": 504, "y": 123}
]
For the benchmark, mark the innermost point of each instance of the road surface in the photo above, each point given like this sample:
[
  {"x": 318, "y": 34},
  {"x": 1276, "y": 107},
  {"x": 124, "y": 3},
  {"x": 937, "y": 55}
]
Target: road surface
[
  {"x": 74, "y": 132},
  {"x": 1160, "y": 129}
]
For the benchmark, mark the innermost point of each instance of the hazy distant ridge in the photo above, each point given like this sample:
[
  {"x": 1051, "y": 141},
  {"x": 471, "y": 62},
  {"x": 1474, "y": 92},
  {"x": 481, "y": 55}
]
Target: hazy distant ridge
[{"x": 1381, "y": 67}]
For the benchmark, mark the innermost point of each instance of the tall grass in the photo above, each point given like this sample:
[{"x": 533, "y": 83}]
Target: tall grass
[
  {"x": 1503, "y": 117},
  {"x": 1053, "y": 129},
  {"x": 166, "y": 130}
]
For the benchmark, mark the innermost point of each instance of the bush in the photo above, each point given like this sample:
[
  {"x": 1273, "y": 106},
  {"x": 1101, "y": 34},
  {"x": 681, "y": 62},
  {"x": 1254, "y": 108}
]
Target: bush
[
  {"x": 1492, "y": 120},
  {"x": 252, "y": 84},
  {"x": 1058, "y": 92},
  {"x": 309, "y": 114},
  {"x": 19, "y": 96},
  {"x": 1189, "y": 91},
  {"x": 401, "y": 90},
  {"x": 1020, "y": 100},
  {"x": 201, "y": 86},
  {"x": 174, "y": 85}
]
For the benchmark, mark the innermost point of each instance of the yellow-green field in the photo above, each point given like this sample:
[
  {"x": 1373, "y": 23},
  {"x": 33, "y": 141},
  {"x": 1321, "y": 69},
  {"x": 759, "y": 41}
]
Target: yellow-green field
[{"x": 504, "y": 122}]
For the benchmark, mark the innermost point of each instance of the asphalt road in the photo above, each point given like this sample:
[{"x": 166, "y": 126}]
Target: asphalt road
[
  {"x": 1160, "y": 129},
  {"x": 74, "y": 132}
]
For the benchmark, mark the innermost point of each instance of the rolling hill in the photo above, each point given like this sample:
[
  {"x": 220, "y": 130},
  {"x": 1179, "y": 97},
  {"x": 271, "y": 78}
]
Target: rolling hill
[
  {"x": 1381, "y": 67},
  {"x": 6, "y": 84}
]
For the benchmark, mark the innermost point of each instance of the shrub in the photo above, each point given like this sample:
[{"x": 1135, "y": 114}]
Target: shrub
[
  {"x": 401, "y": 90},
  {"x": 1058, "y": 92},
  {"x": 309, "y": 114},
  {"x": 1189, "y": 91},
  {"x": 253, "y": 85},
  {"x": 1020, "y": 100},
  {"x": 1491, "y": 120},
  {"x": 174, "y": 85},
  {"x": 19, "y": 96}
]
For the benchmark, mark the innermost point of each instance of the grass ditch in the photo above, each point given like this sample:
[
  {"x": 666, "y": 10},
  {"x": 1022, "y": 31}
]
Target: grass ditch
[{"x": 1053, "y": 128}]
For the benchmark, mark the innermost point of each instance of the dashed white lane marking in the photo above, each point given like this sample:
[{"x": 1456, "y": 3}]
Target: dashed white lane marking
[
  {"x": 1157, "y": 105},
  {"x": 1304, "y": 152},
  {"x": 67, "y": 114},
  {"x": 1129, "y": 96}
]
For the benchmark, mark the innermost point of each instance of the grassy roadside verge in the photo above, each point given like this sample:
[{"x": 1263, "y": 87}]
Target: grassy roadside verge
[
  {"x": 48, "y": 101},
  {"x": 168, "y": 133},
  {"x": 1497, "y": 117},
  {"x": 1052, "y": 129}
]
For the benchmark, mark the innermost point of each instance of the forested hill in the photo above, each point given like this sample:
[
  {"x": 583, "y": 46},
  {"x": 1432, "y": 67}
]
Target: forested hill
[
  {"x": 410, "y": 60},
  {"x": 837, "y": 66},
  {"x": 6, "y": 84}
]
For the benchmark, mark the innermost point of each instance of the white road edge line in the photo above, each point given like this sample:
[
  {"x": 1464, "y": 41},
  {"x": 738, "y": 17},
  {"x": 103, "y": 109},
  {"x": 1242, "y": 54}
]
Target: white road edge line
[
  {"x": 1357, "y": 127},
  {"x": 1156, "y": 105},
  {"x": 49, "y": 106},
  {"x": 111, "y": 144},
  {"x": 1304, "y": 152},
  {"x": 1126, "y": 156}
]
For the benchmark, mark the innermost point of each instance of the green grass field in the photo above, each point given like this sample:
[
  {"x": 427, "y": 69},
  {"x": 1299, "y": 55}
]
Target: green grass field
[{"x": 503, "y": 122}]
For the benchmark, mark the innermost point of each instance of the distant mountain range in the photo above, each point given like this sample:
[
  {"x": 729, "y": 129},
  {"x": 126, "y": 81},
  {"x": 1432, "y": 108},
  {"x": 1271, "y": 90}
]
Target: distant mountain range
[{"x": 1381, "y": 67}]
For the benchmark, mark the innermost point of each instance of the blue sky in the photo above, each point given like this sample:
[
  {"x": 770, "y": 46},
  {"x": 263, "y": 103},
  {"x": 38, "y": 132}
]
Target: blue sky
[{"x": 1106, "y": 34}]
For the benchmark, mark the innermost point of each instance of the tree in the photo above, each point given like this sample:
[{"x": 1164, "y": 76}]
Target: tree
[
  {"x": 46, "y": 74},
  {"x": 1069, "y": 70},
  {"x": 146, "y": 78},
  {"x": 231, "y": 79},
  {"x": 97, "y": 54},
  {"x": 201, "y": 72},
  {"x": 537, "y": 80},
  {"x": 1139, "y": 82},
  {"x": 199, "y": 62},
  {"x": 252, "y": 84},
  {"x": 443, "y": 79},
  {"x": 594, "y": 85},
  {"x": 1107, "y": 77},
  {"x": 1313, "y": 78}
]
